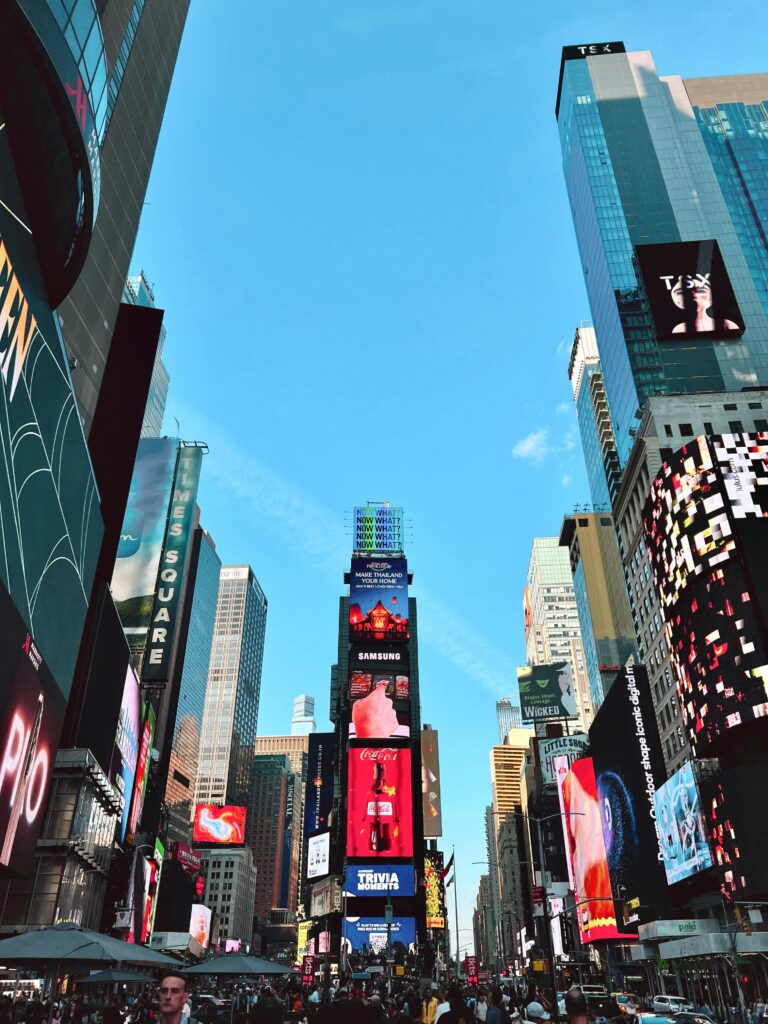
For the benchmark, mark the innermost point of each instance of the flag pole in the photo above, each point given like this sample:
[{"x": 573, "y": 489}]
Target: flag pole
[{"x": 456, "y": 907}]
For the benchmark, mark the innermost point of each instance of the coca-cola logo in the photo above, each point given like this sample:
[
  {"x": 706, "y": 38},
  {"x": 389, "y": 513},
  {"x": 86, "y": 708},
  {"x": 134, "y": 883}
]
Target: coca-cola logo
[{"x": 379, "y": 754}]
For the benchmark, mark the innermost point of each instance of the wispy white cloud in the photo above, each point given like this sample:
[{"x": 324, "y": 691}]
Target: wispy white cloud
[
  {"x": 564, "y": 408},
  {"x": 566, "y": 480},
  {"x": 534, "y": 446},
  {"x": 271, "y": 503}
]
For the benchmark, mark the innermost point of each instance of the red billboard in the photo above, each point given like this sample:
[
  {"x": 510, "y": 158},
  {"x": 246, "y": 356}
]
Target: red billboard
[
  {"x": 218, "y": 824},
  {"x": 585, "y": 846},
  {"x": 380, "y": 803}
]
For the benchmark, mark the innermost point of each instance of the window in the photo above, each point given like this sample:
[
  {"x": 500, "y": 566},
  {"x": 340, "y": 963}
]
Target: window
[
  {"x": 755, "y": 405},
  {"x": 583, "y": 522},
  {"x": 708, "y": 428},
  {"x": 735, "y": 426},
  {"x": 761, "y": 425},
  {"x": 668, "y": 430},
  {"x": 731, "y": 407},
  {"x": 686, "y": 430}
]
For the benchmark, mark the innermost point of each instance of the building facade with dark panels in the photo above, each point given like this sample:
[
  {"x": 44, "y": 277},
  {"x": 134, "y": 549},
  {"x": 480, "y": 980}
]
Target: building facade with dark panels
[
  {"x": 142, "y": 42},
  {"x": 265, "y": 826}
]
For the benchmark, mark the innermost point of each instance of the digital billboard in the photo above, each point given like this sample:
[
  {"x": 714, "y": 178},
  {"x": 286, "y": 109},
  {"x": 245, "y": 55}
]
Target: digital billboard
[
  {"x": 431, "y": 803},
  {"x": 31, "y": 714},
  {"x": 380, "y": 880},
  {"x": 374, "y": 715},
  {"x": 681, "y": 826},
  {"x": 166, "y": 609},
  {"x": 318, "y": 855},
  {"x": 378, "y": 529},
  {"x": 200, "y": 924},
  {"x": 547, "y": 692},
  {"x": 378, "y": 600},
  {"x": 689, "y": 291},
  {"x": 629, "y": 765},
  {"x": 143, "y": 531},
  {"x": 379, "y": 658},
  {"x": 50, "y": 515},
  {"x": 585, "y": 848},
  {"x": 141, "y": 777},
  {"x": 706, "y": 531},
  {"x": 379, "y": 804},
  {"x": 218, "y": 824},
  {"x": 318, "y": 802},
  {"x": 324, "y": 898},
  {"x": 370, "y": 934},
  {"x": 435, "y": 888},
  {"x": 362, "y": 683},
  {"x": 570, "y": 747},
  {"x": 125, "y": 752}
]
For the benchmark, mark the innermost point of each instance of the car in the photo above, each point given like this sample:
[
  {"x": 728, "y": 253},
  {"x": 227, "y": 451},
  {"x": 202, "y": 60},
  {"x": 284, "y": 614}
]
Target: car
[
  {"x": 628, "y": 1004},
  {"x": 594, "y": 990},
  {"x": 670, "y": 1005},
  {"x": 652, "y": 1018},
  {"x": 692, "y": 1017}
]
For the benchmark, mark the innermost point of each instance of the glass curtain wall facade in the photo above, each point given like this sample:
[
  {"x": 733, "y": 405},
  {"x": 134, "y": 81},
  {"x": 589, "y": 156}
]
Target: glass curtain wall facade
[
  {"x": 234, "y": 685},
  {"x": 638, "y": 171},
  {"x": 185, "y": 748},
  {"x": 598, "y": 443}
]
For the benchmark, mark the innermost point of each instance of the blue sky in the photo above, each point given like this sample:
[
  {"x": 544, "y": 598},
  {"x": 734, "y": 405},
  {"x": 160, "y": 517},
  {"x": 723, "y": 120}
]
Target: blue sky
[{"x": 358, "y": 228}]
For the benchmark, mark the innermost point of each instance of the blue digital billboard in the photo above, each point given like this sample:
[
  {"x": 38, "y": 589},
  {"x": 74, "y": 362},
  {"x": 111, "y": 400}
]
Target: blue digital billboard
[
  {"x": 318, "y": 802},
  {"x": 370, "y": 934},
  {"x": 684, "y": 845},
  {"x": 380, "y": 880}
]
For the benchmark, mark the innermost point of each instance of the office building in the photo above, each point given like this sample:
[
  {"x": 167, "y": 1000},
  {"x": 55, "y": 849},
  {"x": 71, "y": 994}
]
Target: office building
[
  {"x": 598, "y": 442},
  {"x": 552, "y": 630},
  {"x": 605, "y": 619},
  {"x": 303, "y": 721},
  {"x": 508, "y": 716},
  {"x": 234, "y": 684},
  {"x": 266, "y": 825},
  {"x": 295, "y": 749},
  {"x": 141, "y": 41},
  {"x": 230, "y": 892},
  {"x": 676, "y": 289},
  {"x": 138, "y": 292},
  {"x": 483, "y": 925},
  {"x": 192, "y": 667},
  {"x": 508, "y": 852}
]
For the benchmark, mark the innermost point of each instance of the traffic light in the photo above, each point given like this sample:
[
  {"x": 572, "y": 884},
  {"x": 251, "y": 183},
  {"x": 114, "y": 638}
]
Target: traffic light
[{"x": 742, "y": 920}]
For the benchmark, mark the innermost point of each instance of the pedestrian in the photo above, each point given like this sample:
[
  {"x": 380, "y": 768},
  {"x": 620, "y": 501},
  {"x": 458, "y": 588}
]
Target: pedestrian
[
  {"x": 481, "y": 1009},
  {"x": 496, "y": 1011},
  {"x": 173, "y": 995},
  {"x": 535, "y": 1013},
  {"x": 429, "y": 1006},
  {"x": 443, "y": 1006},
  {"x": 576, "y": 1008}
]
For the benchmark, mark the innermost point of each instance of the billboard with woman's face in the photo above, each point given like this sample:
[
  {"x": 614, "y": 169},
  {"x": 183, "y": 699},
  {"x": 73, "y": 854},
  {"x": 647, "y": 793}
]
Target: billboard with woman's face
[{"x": 689, "y": 291}]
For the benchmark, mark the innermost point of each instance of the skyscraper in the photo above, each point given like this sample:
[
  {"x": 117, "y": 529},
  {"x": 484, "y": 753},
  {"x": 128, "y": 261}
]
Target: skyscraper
[
  {"x": 605, "y": 619},
  {"x": 142, "y": 42},
  {"x": 598, "y": 442},
  {"x": 138, "y": 292},
  {"x": 265, "y": 828},
  {"x": 195, "y": 643},
  {"x": 234, "y": 684},
  {"x": 303, "y": 721},
  {"x": 553, "y": 633},
  {"x": 508, "y": 716},
  {"x": 650, "y": 214}
]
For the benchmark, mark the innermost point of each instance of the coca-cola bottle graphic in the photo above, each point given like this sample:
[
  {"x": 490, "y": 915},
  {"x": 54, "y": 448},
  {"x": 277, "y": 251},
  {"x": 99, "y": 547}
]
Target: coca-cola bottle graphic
[{"x": 381, "y": 812}]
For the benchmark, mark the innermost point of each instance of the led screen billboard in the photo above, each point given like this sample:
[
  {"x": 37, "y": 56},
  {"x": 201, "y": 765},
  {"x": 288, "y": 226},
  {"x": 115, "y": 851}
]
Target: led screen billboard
[
  {"x": 378, "y": 600},
  {"x": 570, "y": 747},
  {"x": 379, "y": 805},
  {"x": 680, "y": 820},
  {"x": 547, "y": 692},
  {"x": 585, "y": 849},
  {"x": 125, "y": 752},
  {"x": 324, "y": 898},
  {"x": 143, "y": 532},
  {"x": 374, "y": 716},
  {"x": 213, "y": 824},
  {"x": 50, "y": 516},
  {"x": 200, "y": 924},
  {"x": 629, "y": 765},
  {"x": 362, "y": 683},
  {"x": 318, "y": 855},
  {"x": 380, "y": 880},
  {"x": 431, "y": 803},
  {"x": 370, "y": 934},
  {"x": 689, "y": 291},
  {"x": 31, "y": 713},
  {"x": 141, "y": 777},
  {"x": 706, "y": 531},
  {"x": 435, "y": 888},
  {"x": 378, "y": 529},
  {"x": 379, "y": 658},
  {"x": 318, "y": 802}
]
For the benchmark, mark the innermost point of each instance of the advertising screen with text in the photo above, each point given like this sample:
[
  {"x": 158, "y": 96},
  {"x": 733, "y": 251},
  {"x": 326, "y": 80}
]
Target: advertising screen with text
[
  {"x": 380, "y": 803},
  {"x": 218, "y": 824},
  {"x": 378, "y": 600}
]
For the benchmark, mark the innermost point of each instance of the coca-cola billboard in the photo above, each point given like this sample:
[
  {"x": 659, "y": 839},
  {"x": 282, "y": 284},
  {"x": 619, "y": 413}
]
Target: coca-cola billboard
[{"x": 380, "y": 804}]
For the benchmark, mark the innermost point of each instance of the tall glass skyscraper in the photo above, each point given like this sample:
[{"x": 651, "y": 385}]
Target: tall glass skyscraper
[
  {"x": 234, "y": 685},
  {"x": 640, "y": 172},
  {"x": 196, "y": 642},
  {"x": 598, "y": 442},
  {"x": 138, "y": 292}
]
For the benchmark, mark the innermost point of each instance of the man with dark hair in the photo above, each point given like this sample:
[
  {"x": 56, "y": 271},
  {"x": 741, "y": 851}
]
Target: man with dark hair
[{"x": 173, "y": 995}]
